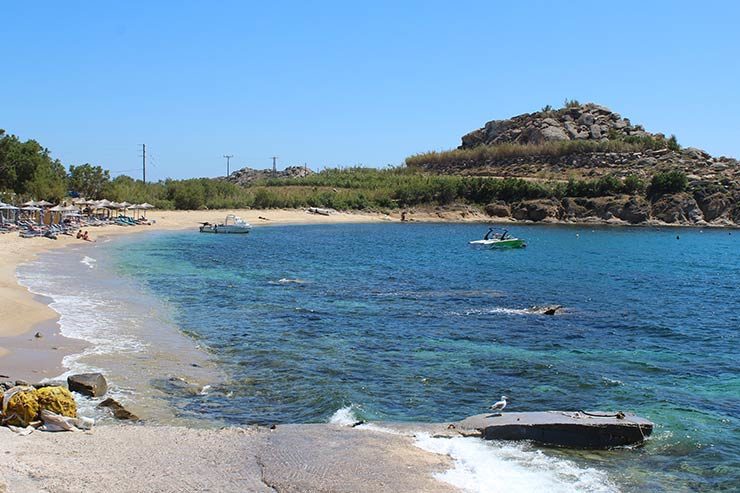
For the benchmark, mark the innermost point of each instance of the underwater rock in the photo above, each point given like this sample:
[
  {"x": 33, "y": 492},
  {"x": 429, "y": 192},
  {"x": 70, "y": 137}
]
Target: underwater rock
[{"x": 546, "y": 309}]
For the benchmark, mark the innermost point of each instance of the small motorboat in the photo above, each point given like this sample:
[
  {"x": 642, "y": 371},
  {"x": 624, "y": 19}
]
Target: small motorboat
[
  {"x": 499, "y": 238},
  {"x": 232, "y": 224}
]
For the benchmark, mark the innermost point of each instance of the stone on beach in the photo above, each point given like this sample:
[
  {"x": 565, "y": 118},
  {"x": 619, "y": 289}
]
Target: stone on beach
[
  {"x": 92, "y": 384},
  {"x": 119, "y": 412}
]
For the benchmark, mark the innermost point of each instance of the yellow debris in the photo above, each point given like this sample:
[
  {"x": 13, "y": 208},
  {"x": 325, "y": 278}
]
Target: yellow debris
[
  {"x": 22, "y": 407},
  {"x": 57, "y": 400}
]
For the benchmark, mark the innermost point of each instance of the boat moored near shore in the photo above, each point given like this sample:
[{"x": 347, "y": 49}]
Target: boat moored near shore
[
  {"x": 498, "y": 238},
  {"x": 232, "y": 224}
]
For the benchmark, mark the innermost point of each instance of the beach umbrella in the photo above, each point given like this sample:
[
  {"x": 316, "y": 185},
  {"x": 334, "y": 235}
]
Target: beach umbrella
[
  {"x": 30, "y": 203},
  {"x": 146, "y": 206},
  {"x": 31, "y": 208},
  {"x": 57, "y": 208},
  {"x": 43, "y": 203},
  {"x": 103, "y": 203},
  {"x": 7, "y": 207}
]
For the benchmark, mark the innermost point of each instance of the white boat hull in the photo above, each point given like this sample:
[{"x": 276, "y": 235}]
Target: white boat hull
[{"x": 221, "y": 229}]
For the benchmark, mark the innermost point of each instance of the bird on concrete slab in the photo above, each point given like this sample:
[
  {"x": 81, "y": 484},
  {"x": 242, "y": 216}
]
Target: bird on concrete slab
[{"x": 500, "y": 405}]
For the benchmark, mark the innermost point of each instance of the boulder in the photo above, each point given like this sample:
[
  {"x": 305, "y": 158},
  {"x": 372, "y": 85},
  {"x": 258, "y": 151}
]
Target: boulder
[
  {"x": 554, "y": 133},
  {"x": 714, "y": 205},
  {"x": 586, "y": 119},
  {"x": 57, "y": 400},
  {"x": 635, "y": 211},
  {"x": 498, "y": 209},
  {"x": 92, "y": 384},
  {"x": 694, "y": 153},
  {"x": 595, "y": 131},
  {"x": 119, "y": 412},
  {"x": 574, "y": 208},
  {"x": 537, "y": 210},
  {"x": 571, "y": 129},
  {"x": 677, "y": 209}
]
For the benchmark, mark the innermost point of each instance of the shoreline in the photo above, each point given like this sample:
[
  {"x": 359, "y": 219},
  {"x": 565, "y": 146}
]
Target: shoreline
[{"x": 24, "y": 313}]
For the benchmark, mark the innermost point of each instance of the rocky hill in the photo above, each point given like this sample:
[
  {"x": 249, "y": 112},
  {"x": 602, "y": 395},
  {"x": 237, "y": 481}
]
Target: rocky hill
[
  {"x": 578, "y": 140},
  {"x": 588, "y": 142},
  {"x": 574, "y": 122},
  {"x": 247, "y": 176}
]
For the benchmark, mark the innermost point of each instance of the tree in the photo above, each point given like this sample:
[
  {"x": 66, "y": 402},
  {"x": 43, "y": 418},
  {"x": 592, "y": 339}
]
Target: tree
[
  {"x": 27, "y": 168},
  {"x": 88, "y": 180}
]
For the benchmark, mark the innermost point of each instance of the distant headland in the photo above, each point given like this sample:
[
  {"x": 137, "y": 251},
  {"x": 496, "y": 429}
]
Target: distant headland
[{"x": 584, "y": 162}]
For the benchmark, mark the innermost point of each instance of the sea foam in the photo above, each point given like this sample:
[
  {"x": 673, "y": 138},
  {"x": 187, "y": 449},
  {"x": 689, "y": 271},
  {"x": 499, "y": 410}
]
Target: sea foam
[
  {"x": 89, "y": 261},
  {"x": 487, "y": 467}
]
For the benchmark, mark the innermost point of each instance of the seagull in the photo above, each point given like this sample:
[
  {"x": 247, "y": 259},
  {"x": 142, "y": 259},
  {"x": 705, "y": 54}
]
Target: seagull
[{"x": 500, "y": 405}]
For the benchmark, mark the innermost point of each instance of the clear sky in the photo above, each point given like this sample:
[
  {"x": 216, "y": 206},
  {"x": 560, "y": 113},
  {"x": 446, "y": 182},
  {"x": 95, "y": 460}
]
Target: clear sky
[{"x": 347, "y": 83}]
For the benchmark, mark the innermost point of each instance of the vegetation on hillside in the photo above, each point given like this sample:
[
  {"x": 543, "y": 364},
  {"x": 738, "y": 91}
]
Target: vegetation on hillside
[
  {"x": 553, "y": 149},
  {"x": 27, "y": 171}
]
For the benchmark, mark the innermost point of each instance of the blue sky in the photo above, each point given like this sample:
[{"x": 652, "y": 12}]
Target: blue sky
[{"x": 345, "y": 83}]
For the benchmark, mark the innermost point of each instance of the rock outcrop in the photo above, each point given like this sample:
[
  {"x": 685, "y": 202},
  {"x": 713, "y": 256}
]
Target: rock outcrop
[
  {"x": 246, "y": 176},
  {"x": 585, "y": 142},
  {"x": 576, "y": 122}
]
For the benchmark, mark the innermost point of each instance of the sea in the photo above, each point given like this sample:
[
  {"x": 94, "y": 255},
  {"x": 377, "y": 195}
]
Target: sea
[{"x": 408, "y": 322}]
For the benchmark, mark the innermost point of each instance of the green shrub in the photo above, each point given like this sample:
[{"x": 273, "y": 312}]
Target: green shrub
[{"x": 667, "y": 183}]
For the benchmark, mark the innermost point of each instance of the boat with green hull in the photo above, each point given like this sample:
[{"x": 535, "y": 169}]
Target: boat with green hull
[{"x": 499, "y": 238}]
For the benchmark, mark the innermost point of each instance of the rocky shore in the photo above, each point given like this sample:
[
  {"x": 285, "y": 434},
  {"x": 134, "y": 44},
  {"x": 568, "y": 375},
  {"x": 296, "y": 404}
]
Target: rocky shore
[
  {"x": 682, "y": 209},
  {"x": 558, "y": 145}
]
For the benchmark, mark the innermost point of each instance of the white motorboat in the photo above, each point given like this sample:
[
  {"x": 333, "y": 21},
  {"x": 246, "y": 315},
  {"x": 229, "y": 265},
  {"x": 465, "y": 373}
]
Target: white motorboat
[
  {"x": 232, "y": 224},
  {"x": 498, "y": 238}
]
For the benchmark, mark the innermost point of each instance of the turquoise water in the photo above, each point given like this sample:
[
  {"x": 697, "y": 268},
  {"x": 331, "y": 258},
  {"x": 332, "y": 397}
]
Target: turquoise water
[{"x": 407, "y": 322}]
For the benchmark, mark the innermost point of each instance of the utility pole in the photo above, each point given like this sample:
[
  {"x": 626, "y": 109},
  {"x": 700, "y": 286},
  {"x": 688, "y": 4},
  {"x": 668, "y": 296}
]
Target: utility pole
[
  {"x": 274, "y": 167},
  {"x": 143, "y": 163},
  {"x": 228, "y": 158}
]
